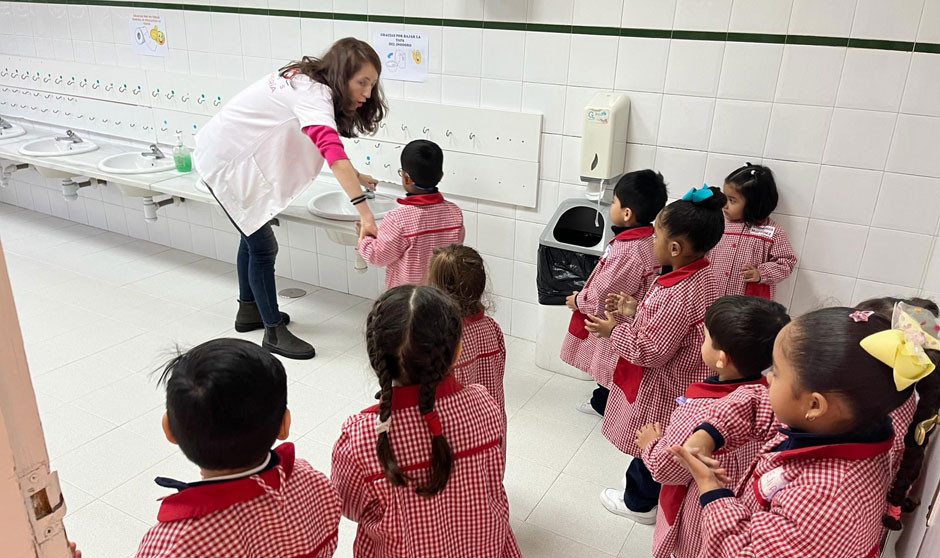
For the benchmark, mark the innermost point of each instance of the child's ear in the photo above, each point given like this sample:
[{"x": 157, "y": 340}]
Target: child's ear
[
  {"x": 722, "y": 360},
  {"x": 166, "y": 430},
  {"x": 675, "y": 248},
  {"x": 406, "y": 179},
  {"x": 284, "y": 432},
  {"x": 627, "y": 214},
  {"x": 818, "y": 405}
]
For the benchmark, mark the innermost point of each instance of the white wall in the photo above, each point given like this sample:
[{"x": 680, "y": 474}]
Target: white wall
[{"x": 853, "y": 134}]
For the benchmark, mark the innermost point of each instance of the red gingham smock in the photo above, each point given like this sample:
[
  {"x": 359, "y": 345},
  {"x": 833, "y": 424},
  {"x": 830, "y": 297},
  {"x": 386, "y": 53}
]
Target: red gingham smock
[
  {"x": 470, "y": 517},
  {"x": 628, "y": 266},
  {"x": 659, "y": 353},
  {"x": 290, "y": 510},
  {"x": 408, "y": 236},
  {"x": 482, "y": 357},
  {"x": 814, "y": 501},
  {"x": 764, "y": 246},
  {"x": 679, "y": 519}
]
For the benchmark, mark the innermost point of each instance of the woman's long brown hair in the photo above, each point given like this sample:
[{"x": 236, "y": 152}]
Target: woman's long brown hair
[{"x": 334, "y": 69}]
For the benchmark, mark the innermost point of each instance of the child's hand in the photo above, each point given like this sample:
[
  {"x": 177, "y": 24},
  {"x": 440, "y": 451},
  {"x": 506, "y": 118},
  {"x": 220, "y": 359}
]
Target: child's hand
[
  {"x": 621, "y": 303},
  {"x": 600, "y": 326},
  {"x": 367, "y": 229},
  {"x": 368, "y": 181},
  {"x": 647, "y": 434},
  {"x": 751, "y": 274},
  {"x": 569, "y": 301},
  {"x": 76, "y": 553},
  {"x": 706, "y": 472},
  {"x": 700, "y": 443}
]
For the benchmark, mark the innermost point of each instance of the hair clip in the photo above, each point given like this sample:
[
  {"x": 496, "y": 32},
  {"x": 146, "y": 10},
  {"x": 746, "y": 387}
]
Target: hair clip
[
  {"x": 382, "y": 425},
  {"x": 924, "y": 428},
  {"x": 861, "y": 315},
  {"x": 434, "y": 423}
]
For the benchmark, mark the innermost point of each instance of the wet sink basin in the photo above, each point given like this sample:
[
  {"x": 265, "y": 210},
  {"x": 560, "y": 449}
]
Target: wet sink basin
[{"x": 335, "y": 205}]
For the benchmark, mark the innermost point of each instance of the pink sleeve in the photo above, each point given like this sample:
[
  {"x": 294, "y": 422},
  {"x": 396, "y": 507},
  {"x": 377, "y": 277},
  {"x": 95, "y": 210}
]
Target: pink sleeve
[
  {"x": 781, "y": 259},
  {"x": 327, "y": 141},
  {"x": 743, "y": 416}
]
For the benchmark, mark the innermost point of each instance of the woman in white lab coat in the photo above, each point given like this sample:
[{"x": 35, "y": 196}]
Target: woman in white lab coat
[{"x": 267, "y": 144}]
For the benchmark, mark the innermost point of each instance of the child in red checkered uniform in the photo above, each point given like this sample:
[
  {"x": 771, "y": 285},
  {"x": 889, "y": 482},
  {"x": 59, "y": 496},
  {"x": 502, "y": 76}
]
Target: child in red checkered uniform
[
  {"x": 422, "y": 471},
  {"x": 409, "y": 234},
  {"x": 755, "y": 253},
  {"x": 627, "y": 266},
  {"x": 738, "y": 346},
  {"x": 818, "y": 484},
  {"x": 659, "y": 345},
  {"x": 226, "y": 404}
]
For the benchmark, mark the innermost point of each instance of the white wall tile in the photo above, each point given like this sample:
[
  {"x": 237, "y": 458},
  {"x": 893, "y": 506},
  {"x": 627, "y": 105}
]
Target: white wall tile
[
  {"x": 887, "y": 262},
  {"x": 830, "y": 18},
  {"x": 760, "y": 16},
  {"x": 429, "y": 91},
  {"x": 785, "y": 289},
  {"x": 915, "y": 149},
  {"x": 198, "y": 31},
  {"x": 203, "y": 240},
  {"x": 256, "y": 36},
  {"x": 749, "y": 71},
  {"x": 575, "y": 100},
  {"x": 316, "y": 36},
  {"x": 460, "y": 91},
  {"x": 834, "y": 247},
  {"x": 922, "y": 93},
  {"x": 545, "y": 207},
  {"x": 703, "y": 15},
  {"x": 682, "y": 169},
  {"x": 500, "y": 94},
  {"x": 463, "y": 9},
  {"x": 505, "y": 10},
  {"x": 504, "y": 52},
  {"x": 645, "y": 111},
  {"x": 597, "y": 12},
  {"x": 365, "y": 284},
  {"x": 797, "y": 133},
  {"x": 227, "y": 33},
  {"x": 719, "y": 165},
  {"x": 873, "y": 79},
  {"x": 641, "y": 64},
  {"x": 462, "y": 51},
  {"x": 523, "y": 282},
  {"x": 795, "y": 228},
  {"x": 895, "y": 21},
  {"x": 810, "y": 74},
  {"x": 117, "y": 221},
  {"x": 591, "y": 59},
  {"x": 423, "y": 8},
  {"x": 694, "y": 67},
  {"x": 546, "y": 57},
  {"x": 640, "y": 157},
  {"x": 524, "y": 320},
  {"x": 932, "y": 277},
  {"x": 327, "y": 247},
  {"x": 550, "y": 157},
  {"x": 333, "y": 273},
  {"x": 859, "y": 138},
  {"x": 570, "y": 172},
  {"x": 527, "y": 242},
  {"x": 470, "y": 229},
  {"x": 648, "y": 14},
  {"x": 740, "y": 127},
  {"x": 908, "y": 203},
  {"x": 285, "y": 38},
  {"x": 499, "y": 274},
  {"x": 865, "y": 290},
  {"x": 357, "y": 29},
  {"x": 686, "y": 121},
  {"x": 550, "y": 11},
  {"x": 814, "y": 290},
  {"x": 547, "y": 100},
  {"x": 846, "y": 195},
  {"x": 495, "y": 235},
  {"x": 929, "y": 31},
  {"x": 502, "y": 312}
]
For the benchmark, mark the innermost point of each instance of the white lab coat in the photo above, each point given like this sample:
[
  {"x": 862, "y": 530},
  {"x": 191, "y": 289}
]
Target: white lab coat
[{"x": 254, "y": 154}]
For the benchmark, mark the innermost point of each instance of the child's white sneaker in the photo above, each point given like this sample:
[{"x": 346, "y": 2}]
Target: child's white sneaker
[
  {"x": 586, "y": 408},
  {"x": 612, "y": 499}
]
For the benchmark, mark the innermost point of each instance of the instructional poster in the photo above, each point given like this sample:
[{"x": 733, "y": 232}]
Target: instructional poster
[
  {"x": 404, "y": 55},
  {"x": 148, "y": 35}
]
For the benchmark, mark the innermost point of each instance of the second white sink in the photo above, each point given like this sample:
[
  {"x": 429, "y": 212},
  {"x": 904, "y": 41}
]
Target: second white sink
[
  {"x": 50, "y": 147},
  {"x": 133, "y": 162},
  {"x": 10, "y": 133}
]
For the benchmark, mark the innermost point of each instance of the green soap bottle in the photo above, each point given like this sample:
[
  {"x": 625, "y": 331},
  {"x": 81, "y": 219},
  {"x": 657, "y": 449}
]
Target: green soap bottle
[{"x": 181, "y": 156}]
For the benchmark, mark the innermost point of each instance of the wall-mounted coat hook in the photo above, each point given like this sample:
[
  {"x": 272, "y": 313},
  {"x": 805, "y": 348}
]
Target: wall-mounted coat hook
[{"x": 109, "y": 87}]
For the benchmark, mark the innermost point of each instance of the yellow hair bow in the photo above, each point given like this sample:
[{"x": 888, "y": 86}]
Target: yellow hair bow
[{"x": 902, "y": 348}]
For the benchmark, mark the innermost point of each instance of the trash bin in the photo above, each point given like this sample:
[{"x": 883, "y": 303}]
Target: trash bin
[{"x": 570, "y": 246}]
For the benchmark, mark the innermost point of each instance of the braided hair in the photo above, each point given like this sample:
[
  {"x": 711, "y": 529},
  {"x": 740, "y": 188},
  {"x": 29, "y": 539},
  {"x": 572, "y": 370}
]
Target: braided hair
[{"x": 412, "y": 335}]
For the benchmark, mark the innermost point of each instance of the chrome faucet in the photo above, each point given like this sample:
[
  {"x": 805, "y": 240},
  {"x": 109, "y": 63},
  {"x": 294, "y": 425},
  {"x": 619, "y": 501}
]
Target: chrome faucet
[
  {"x": 70, "y": 136},
  {"x": 4, "y": 125},
  {"x": 154, "y": 152}
]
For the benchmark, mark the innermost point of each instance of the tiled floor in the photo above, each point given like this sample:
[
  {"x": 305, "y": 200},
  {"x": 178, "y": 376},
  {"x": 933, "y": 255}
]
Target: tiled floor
[{"x": 100, "y": 312}]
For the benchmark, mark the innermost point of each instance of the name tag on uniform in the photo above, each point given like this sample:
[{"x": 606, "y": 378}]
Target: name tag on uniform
[
  {"x": 766, "y": 231},
  {"x": 771, "y": 483}
]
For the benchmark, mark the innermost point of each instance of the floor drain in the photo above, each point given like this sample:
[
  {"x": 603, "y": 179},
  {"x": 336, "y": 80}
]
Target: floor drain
[{"x": 292, "y": 293}]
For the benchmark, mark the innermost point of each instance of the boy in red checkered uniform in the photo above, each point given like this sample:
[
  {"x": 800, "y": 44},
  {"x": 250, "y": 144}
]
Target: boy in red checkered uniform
[
  {"x": 409, "y": 234},
  {"x": 739, "y": 341},
  {"x": 422, "y": 471},
  {"x": 226, "y": 405},
  {"x": 627, "y": 266},
  {"x": 818, "y": 484},
  {"x": 659, "y": 345}
]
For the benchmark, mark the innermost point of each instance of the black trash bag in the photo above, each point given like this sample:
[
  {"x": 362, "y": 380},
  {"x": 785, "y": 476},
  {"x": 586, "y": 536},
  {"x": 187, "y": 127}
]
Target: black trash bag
[{"x": 560, "y": 272}]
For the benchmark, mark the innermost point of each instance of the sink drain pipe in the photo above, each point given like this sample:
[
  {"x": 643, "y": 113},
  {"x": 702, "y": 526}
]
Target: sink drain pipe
[
  {"x": 70, "y": 187},
  {"x": 7, "y": 171},
  {"x": 151, "y": 207}
]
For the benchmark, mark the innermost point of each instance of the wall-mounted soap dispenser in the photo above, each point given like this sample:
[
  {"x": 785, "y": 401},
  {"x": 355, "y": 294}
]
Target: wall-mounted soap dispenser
[{"x": 604, "y": 140}]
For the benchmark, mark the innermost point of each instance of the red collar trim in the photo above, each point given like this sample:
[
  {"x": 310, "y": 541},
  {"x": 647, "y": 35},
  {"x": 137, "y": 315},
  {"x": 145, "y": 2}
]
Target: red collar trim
[
  {"x": 703, "y": 390},
  {"x": 474, "y": 318},
  {"x": 673, "y": 277},
  {"x": 407, "y": 396},
  {"x": 422, "y": 199},
  {"x": 854, "y": 451},
  {"x": 208, "y": 498},
  {"x": 635, "y": 233}
]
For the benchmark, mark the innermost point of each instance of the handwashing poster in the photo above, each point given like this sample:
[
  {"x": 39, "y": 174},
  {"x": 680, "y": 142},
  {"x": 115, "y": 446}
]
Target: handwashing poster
[
  {"x": 404, "y": 55},
  {"x": 148, "y": 35}
]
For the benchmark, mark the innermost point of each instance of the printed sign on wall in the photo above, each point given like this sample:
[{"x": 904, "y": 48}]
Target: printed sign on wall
[
  {"x": 148, "y": 35},
  {"x": 404, "y": 55}
]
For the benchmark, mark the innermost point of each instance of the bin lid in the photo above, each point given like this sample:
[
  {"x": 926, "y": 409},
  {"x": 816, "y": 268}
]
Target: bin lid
[{"x": 549, "y": 238}]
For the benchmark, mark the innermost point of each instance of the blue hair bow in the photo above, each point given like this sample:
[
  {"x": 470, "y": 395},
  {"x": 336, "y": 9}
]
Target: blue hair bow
[{"x": 696, "y": 195}]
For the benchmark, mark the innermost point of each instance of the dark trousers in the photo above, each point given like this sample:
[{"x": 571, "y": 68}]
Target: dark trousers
[
  {"x": 642, "y": 493},
  {"x": 599, "y": 399}
]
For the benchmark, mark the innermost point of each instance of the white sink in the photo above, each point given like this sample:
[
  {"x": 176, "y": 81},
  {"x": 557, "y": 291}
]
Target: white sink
[
  {"x": 50, "y": 147},
  {"x": 133, "y": 162},
  {"x": 10, "y": 133},
  {"x": 335, "y": 205}
]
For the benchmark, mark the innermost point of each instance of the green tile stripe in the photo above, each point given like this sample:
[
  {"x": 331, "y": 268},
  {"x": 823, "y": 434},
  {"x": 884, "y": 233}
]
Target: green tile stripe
[{"x": 766, "y": 38}]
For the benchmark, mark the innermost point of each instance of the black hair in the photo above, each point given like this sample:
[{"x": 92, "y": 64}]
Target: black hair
[
  {"x": 423, "y": 160},
  {"x": 412, "y": 334},
  {"x": 745, "y": 327},
  {"x": 225, "y": 401},
  {"x": 885, "y": 305},
  {"x": 644, "y": 192},
  {"x": 756, "y": 183},
  {"x": 701, "y": 223}
]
